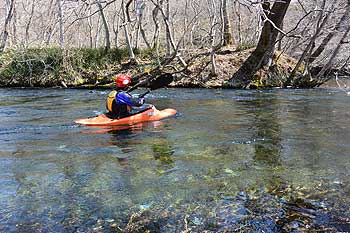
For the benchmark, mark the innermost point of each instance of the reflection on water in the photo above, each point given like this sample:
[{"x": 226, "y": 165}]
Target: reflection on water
[{"x": 230, "y": 160}]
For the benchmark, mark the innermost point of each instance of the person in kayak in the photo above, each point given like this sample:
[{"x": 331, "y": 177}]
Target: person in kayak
[{"x": 120, "y": 102}]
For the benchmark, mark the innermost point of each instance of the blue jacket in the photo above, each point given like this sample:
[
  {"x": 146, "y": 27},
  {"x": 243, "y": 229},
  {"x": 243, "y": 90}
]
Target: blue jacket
[{"x": 119, "y": 104}]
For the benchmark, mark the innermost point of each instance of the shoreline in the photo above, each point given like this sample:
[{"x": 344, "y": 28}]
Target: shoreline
[{"x": 96, "y": 68}]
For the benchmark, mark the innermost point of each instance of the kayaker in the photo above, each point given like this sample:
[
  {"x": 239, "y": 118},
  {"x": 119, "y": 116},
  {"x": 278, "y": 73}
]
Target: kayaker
[{"x": 119, "y": 101}]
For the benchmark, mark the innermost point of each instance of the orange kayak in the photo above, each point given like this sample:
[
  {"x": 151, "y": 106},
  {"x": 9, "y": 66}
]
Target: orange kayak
[{"x": 151, "y": 114}]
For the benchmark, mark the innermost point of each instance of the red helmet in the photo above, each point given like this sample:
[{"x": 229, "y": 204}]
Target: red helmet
[{"x": 122, "y": 80}]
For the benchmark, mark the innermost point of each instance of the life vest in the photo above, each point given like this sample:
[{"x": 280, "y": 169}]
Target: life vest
[{"x": 110, "y": 99}]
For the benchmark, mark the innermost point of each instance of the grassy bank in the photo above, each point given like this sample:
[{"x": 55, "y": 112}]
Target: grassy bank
[
  {"x": 47, "y": 67},
  {"x": 89, "y": 67}
]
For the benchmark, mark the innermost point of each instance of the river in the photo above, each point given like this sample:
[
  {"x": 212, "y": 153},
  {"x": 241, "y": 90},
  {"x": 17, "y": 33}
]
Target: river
[{"x": 230, "y": 160}]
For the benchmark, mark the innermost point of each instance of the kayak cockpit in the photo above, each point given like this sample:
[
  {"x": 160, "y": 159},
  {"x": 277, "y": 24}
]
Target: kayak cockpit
[{"x": 134, "y": 111}]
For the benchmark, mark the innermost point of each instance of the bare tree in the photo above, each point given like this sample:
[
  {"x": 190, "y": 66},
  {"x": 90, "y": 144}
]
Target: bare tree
[
  {"x": 227, "y": 33},
  {"x": 140, "y": 5},
  {"x": 126, "y": 22},
  {"x": 212, "y": 33},
  {"x": 331, "y": 59},
  {"x": 263, "y": 54},
  {"x": 333, "y": 32},
  {"x": 155, "y": 18},
  {"x": 5, "y": 33},
  {"x": 90, "y": 30},
  {"x": 97, "y": 34},
  {"x": 322, "y": 20},
  {"x": 237, "y": 10},
  {"x": 61, "y": 23},
  {"x": 49, "y": 23},
  {"x": 105, "y": 25},
  {"x": 116, "y": 27},
  {"x": 31, "y": 14},
  {"x": 14, "y": 26}
]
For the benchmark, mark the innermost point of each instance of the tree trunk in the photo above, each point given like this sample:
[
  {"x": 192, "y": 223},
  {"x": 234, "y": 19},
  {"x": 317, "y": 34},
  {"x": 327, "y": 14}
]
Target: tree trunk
[
  {"x": 171, "y": 37},
  {"x": 127, "y": 36},
  {"x": 60, "y": 16},
  {"x": 330, "y": 35},
  {"x": 26, "y": 38},
  {"x": 139, "y": 11},
  {"x": 280, "y": 37},
  {"x": 320, "y": 24},
  {"x": 97, "y": 34},
  {"x": 105, "y": 25},
  {"x": 332, "y": 58},
  {"x": 167, "y": 32},
  {"x": 7, "y": 22},
  {"x": 143, "y": 34},
  {"x": 14, "y": 26},
  {"x": 228, "y": 40},
  {"x": 264, "y": 50},
  {"x": 237, "y": 10},
  {"x": 155, "y": 12},
  {"x": 116, "y": 28},
  {"x": 212, "y": 35},
  {"x": 90, "y": 26},
  {"x": 49, "y": 28}
]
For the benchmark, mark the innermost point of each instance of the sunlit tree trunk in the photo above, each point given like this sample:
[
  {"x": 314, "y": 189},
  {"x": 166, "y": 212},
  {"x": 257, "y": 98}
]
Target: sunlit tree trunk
[
  {"x": 330, "y": 35},
  {"x": 5, "y": 33},
  {"x": 328, "y": 65},
  {"x": 280, "y": 37},
  {"x": 143, "y": 34},
  {"x": 237, "y": 10},
  {"x": 195, "y": 24},
  {"x": 127, "y": 36},
  {"x": 90, "y": 30},
  {"x": 116, "y": 27},
  {"x": 26, "y": 38},
  {"x": 212, "y": 34},
  {"x": 105, "y": 25},
  {"x": 322, "y": 20},
  {"x": 228, "y": 40},
  {"x": 155, "y": 18},
  {"x": 49, "y": 28},
  {"x": 167, "y": 32},
  {"x": 14, "y": 26},
  {"x": 139, "y": 12},
  {"x": 61, "y": 23}
]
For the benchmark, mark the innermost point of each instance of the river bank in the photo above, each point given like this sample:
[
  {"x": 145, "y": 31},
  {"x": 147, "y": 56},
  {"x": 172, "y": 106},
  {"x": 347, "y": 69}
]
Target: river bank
[{"x": 96, "y": 68}]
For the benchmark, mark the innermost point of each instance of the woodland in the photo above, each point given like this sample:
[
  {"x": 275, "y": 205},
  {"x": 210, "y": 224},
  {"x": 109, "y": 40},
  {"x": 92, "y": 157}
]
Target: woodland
[{"x": 202, "y": 43}]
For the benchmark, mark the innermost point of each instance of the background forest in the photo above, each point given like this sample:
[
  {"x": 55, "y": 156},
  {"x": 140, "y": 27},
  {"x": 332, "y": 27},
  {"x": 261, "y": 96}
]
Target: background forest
[{"x": 233, "y": 43}]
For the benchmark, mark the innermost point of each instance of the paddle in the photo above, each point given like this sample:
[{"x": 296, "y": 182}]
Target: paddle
[
  {"x": 155, "y": 82},
  {"x": 159, "y": 82}
]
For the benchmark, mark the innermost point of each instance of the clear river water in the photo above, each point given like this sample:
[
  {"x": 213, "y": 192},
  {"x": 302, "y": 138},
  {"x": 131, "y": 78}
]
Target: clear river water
[{"x": 230, "y": 160}]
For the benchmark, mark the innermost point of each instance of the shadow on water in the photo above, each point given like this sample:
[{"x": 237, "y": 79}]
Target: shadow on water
[
  {"x": 277, "y": 206},
  {"x": 267, "y": 130}
]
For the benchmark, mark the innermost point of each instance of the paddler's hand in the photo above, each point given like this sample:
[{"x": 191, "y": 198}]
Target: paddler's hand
[
  {"x": 136, "y": 96},
  {"x": 142, "y": 101}
]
